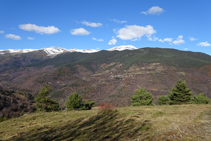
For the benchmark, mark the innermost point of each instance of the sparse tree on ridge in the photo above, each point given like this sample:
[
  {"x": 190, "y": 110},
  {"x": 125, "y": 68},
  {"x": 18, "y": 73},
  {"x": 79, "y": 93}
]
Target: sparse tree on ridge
[
  {"x": 44, "y": 101},
  {"x": 181, "y": 94},
  {"x": 74, "y": 102},
  {"x": 141, "y": 98}
]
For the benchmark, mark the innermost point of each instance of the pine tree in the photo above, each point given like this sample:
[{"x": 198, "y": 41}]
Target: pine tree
[
  {"x": 142, "y": 97},
  {"x": 74, "y": 102},
  {"x": 44, "y": 101},
  {"x": 181, "y": 94},
  {"x": 162, "y": 100}
]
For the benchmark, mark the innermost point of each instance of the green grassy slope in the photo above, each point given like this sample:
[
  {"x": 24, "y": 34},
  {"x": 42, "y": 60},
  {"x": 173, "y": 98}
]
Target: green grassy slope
[{"x": 177, "y": 122}]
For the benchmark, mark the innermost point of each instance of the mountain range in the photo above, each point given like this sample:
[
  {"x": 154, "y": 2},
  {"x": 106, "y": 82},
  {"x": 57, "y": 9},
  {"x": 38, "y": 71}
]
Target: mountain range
[
  {"x": 104, "y": 75},
  {"x": 58, "y": 50}
]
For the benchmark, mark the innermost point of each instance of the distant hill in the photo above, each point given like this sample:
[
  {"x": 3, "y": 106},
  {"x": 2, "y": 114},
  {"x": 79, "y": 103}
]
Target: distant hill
[
  {"x": 107, "y": 75},
  {"x": 13, "y": 103}
]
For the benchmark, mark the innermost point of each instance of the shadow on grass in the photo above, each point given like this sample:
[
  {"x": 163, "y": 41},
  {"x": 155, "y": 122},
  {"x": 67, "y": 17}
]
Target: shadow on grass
[{"x": 98, "y": 127}]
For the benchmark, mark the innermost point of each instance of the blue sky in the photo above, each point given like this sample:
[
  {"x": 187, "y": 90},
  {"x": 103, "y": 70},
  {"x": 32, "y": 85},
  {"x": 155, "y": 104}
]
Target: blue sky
[{"x": 103, "y": 24}]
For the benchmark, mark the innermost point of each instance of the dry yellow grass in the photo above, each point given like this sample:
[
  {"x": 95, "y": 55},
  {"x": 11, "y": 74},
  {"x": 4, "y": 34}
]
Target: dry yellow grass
[{"x": 178, "y": 122}]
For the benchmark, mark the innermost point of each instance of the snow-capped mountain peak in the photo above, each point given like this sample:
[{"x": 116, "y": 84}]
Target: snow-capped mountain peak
[
  {"x": 123, "y": 47},
  {"x": 83, "y": 50},
  {"x": 54, "y": 50},
  {"x": 16, "y": 51},
  {"x": 58, "y": 50}
]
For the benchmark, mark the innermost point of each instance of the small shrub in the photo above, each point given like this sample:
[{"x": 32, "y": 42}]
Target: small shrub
[
  {"x": 106, "y": 108},
  {"x": 200, "y": 99},
  {"x": 162, "y": 100},
  {"x": 4, "y": 118},
  {"x": 22, "y": 113},
  {"x": 87, "y": 105}
]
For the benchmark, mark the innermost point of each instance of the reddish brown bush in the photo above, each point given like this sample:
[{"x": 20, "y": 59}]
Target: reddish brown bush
[{"x": 106, "y": 107}]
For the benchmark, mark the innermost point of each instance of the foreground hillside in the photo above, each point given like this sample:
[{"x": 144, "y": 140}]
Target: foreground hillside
[
  {"x": 180, "y": 122},
  {"x": 107, "y": 75}
]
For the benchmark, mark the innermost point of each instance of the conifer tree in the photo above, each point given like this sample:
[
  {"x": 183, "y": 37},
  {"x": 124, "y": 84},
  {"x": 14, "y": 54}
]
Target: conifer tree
[
  {"x": 74, "y": 102},
  {"x": 181, "y": 94},
  {"x": 162, "y": 100},
  {"x": 142, "y": 97},
  {"x": 44, "y": 101}
]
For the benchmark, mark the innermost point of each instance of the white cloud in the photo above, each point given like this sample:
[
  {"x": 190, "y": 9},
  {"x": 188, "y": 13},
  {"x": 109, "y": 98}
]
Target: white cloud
[
  {"x": 112, "y": 41},
  {"x": 117, "y": 21},
  {"x": 179, "y": 40},
  {"x": 79, "y": 31},
  {"x": 192, "y": 39},
  {"x": 13, "y": 36},
  {"x": 152, "y": 38},
  {"x": 39, "y": 29},
  {"x": 204, "y": 44},
  {"x": 2, "y": 32},
  {"x": 30, "y": 38},
  {"x": 155, "y": 10},
  {"x": 91, "y": 24},
  {"x": 165, "y": 40},
  {"x": 100, "y": 40},
  {"x": 134, "y": 32},
  {"x": 185, "y": 48}
]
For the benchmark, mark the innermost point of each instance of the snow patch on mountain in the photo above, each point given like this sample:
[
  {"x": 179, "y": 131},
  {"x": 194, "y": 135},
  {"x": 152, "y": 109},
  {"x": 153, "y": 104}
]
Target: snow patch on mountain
[
  {"x": 58, "y": 50},
  {"x": 123, "y": 47},
  {"x": 83, "y": 50},
  {"x": 16, "y": 51},
  {"x": 54, "y": 50}
]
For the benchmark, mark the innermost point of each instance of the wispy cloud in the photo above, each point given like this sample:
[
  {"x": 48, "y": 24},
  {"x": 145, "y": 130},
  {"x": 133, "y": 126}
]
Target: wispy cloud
[
  {"x": 135, "y": 32},
  {"x": 112, "y": 41},
  {"x": 1, "y": 31},
  {"x": 179, "y": 40},
  {"x": 39, "y": 29},
  {"x": 100, "y": 40},
  {"x": 92, "y": 24},
  {"x": 30, "y": 38},
  {"x": 79, "y": 31},
  {"x": 165, "y": 40},
  {"x": 152, "y": 38},
  {"x": 204, "y": 44},
  {"x": 155, "y": 10},
  {"x": 117, "y": 21},
  {"x": 13, "y": 36},
  {"x": 192, "y": 39}
]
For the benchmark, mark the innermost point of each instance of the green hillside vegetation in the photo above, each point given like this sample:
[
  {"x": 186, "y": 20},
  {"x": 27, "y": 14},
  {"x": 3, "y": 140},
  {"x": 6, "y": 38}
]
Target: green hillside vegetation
[{"x": 172, "y": 57}]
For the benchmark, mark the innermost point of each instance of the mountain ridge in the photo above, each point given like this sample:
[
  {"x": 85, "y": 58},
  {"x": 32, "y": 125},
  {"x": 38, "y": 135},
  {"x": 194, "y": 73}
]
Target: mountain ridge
[{"x": 58, "y": 50}]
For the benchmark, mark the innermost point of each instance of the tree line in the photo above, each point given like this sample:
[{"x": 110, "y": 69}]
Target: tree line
[{"x": 178, "y": 95}]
